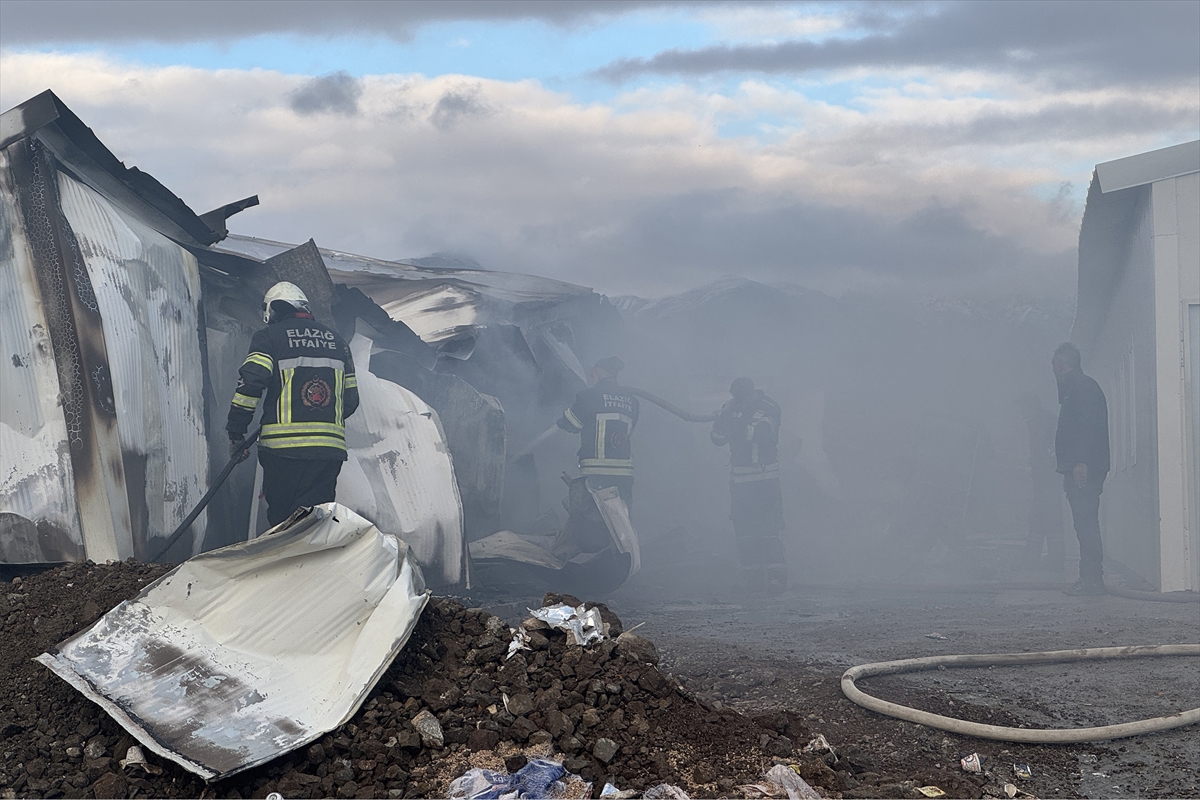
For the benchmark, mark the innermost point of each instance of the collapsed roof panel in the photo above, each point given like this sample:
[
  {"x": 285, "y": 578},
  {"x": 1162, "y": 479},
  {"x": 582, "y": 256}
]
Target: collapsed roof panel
[{"x": 74, "y": 144}]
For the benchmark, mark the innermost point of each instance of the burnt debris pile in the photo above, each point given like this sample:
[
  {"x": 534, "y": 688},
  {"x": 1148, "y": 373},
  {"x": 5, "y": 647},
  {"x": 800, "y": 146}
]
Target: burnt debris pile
[{"x": 453, "y": 699}]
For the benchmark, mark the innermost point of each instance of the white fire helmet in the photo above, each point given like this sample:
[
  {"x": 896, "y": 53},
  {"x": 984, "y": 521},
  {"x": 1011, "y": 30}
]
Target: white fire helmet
[{"x": 287, "y": 292}]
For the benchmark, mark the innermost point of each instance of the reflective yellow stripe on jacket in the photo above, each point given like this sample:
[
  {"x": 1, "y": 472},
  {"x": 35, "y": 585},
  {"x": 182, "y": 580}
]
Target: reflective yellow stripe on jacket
[
  {"x": 606, "y": 466},
  {"x": 758, "y": 472}
]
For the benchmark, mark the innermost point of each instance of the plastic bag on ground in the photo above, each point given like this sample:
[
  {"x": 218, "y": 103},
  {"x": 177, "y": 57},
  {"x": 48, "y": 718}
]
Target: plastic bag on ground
[
  {"x": 539, "y": 778},
  {"x": 666, "y": 791}
]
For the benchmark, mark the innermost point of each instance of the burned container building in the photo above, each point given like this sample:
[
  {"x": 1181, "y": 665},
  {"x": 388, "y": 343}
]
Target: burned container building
[{"x": 127, "y": 316}]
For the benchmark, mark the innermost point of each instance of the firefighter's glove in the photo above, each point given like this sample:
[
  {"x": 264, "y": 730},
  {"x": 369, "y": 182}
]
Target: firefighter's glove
[{"x": 236, "y": 449}]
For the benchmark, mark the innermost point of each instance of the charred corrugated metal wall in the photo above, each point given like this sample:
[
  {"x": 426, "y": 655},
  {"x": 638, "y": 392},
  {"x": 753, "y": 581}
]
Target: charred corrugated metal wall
[{"x": 118, "y": 303}]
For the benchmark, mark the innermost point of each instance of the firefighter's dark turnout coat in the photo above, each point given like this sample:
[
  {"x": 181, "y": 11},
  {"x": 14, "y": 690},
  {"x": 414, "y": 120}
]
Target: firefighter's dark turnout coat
[
  {"x": 752, "y": 433},
  {"x": 307, "y": 374},
  {"x": 756, "y": 501},
  {"x": 604, "y": 416}
]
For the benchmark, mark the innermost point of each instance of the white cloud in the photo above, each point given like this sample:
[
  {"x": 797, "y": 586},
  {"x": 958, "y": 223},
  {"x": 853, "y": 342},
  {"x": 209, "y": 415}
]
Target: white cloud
[
  {"x": 641, "y": 194},
  {"x": 769, "y": 23}
]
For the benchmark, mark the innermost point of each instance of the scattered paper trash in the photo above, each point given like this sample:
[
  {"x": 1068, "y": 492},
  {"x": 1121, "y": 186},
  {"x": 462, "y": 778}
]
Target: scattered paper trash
[
  {"x": 972, "y": 763},
  {"x": 582, "y": 623},
  {"x": 666, "y": 791},
  {"x": 134, "y": 757},
  {"x": 540, "y": 777},
  {"x": 611, "y": 792},
  {"x": 789, "y": 778},
  {"x": 1010, "y": 790},
  {"x": 520, "y": 641},
  {"x": 937, "y": 636},
  {"x": 1022, "y": 770},
  {"x": 931, "y": 791},
  {"x": 1087, "y": 758}
]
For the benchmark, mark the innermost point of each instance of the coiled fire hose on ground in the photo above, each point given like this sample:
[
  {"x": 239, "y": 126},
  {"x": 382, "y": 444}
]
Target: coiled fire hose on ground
[{"x": 1006, "y": 734}]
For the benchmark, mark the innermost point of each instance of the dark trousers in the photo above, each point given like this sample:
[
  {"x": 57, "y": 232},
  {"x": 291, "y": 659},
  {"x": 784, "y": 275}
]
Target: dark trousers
[
  {"x": 756, "y": 509},
  {"x": 1085, "y": 512},
  {"x": 1046, "y": 521},
  {"x": 291, "y": 483}
]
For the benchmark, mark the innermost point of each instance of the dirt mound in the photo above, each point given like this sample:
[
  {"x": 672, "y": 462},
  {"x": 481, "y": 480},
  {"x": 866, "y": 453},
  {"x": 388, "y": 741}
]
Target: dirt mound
[{"x": 606, "y": 710}]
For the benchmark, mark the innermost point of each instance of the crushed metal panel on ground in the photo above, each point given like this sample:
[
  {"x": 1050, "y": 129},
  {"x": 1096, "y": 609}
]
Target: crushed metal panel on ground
[
  {"x": 245, "y": 653},
  {"x": 508, "y": 546}
]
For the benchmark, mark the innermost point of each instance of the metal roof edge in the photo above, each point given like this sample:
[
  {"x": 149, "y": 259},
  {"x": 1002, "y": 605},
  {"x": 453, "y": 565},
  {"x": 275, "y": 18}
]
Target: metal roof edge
[
  {"x": 28, "y": 117},
  {"x": 82, "y": 152},
  {"x": 1155, "y": 165}
]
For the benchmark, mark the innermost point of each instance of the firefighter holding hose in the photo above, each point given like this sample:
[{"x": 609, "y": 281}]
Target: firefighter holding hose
[
  {"x": 604, "y": 415},
  {"x": 306, "y": 372},
  {"x": 749, "y": 424}
]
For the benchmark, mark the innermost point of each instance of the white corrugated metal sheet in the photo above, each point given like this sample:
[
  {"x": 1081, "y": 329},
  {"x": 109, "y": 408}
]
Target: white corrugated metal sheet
[
  {"x": 248, "y": 652},
  {"x": 36, "y": 481},
  {"x": 400, "y": 474},
  {"x": 147, "y": 289}
]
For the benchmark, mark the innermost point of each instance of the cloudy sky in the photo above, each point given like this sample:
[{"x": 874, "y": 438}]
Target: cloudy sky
[{"x": 636, "y": 146}]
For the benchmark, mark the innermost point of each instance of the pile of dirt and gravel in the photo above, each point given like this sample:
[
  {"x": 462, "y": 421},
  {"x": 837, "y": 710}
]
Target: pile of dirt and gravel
[{"x": 453, "y": 699}]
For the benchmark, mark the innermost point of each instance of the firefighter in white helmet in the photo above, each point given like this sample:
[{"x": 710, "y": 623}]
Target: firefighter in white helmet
[{"x": 305, "y": 369}]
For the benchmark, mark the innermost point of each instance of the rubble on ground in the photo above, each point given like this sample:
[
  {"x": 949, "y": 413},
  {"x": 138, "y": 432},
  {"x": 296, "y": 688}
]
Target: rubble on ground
[{"x": 452, "y": 700}]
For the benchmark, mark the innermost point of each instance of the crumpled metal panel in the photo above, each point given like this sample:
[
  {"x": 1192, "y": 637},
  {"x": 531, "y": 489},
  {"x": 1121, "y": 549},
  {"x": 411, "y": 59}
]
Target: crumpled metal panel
[
  {"x": 242, "y": 654},
  {"x": 38, "y": 517},
  {"x": 147, "y": 289},
  {"x": 511, "y": 287},
  {"x": 400, "y": 473}
]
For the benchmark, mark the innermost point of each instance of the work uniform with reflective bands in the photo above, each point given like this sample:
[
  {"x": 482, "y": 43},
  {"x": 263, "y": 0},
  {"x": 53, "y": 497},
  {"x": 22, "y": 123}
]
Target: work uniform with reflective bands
[
  {"x": 305, "y": 371},
  {"x": 751, "y": 429},
  {"x": 604, "y": 416}
]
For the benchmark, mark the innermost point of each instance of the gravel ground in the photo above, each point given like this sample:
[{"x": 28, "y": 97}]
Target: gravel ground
[
  {"x": 788, "y": 653},
  {"x": 741, "y": 683}
]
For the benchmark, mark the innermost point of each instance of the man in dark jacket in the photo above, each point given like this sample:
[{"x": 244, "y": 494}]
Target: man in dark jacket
[
  {"x": 604, "y": 416},
  {"x": 1081, "y": 449},
  {"x": 307, "y": 373},
  {"x": 749, "y": 424},
  {"x": 1045, "y": 510}
]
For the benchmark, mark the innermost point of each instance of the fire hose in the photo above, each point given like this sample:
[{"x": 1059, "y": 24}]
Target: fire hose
[
  {"x": 239, "y": 455},
  {"x": 671, "y": 407},
  {"x": 1007, "y": 734},
  {"x": 655, "y": 399}
]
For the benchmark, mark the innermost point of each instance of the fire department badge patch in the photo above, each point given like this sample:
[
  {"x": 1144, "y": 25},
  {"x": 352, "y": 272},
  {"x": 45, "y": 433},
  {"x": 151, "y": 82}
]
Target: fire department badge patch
[{"x": 316, "y": 393}]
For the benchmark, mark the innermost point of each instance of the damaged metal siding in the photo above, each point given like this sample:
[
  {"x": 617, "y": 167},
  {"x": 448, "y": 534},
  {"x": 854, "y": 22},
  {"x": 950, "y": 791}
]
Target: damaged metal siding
[
  {"x": 77, "y": 338},
  {"x": 400, "y": 474},
  {"x": 38, "y": 517},
  {"x": 246, "y": 653},
  {"x": 147, "y": 290}
]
